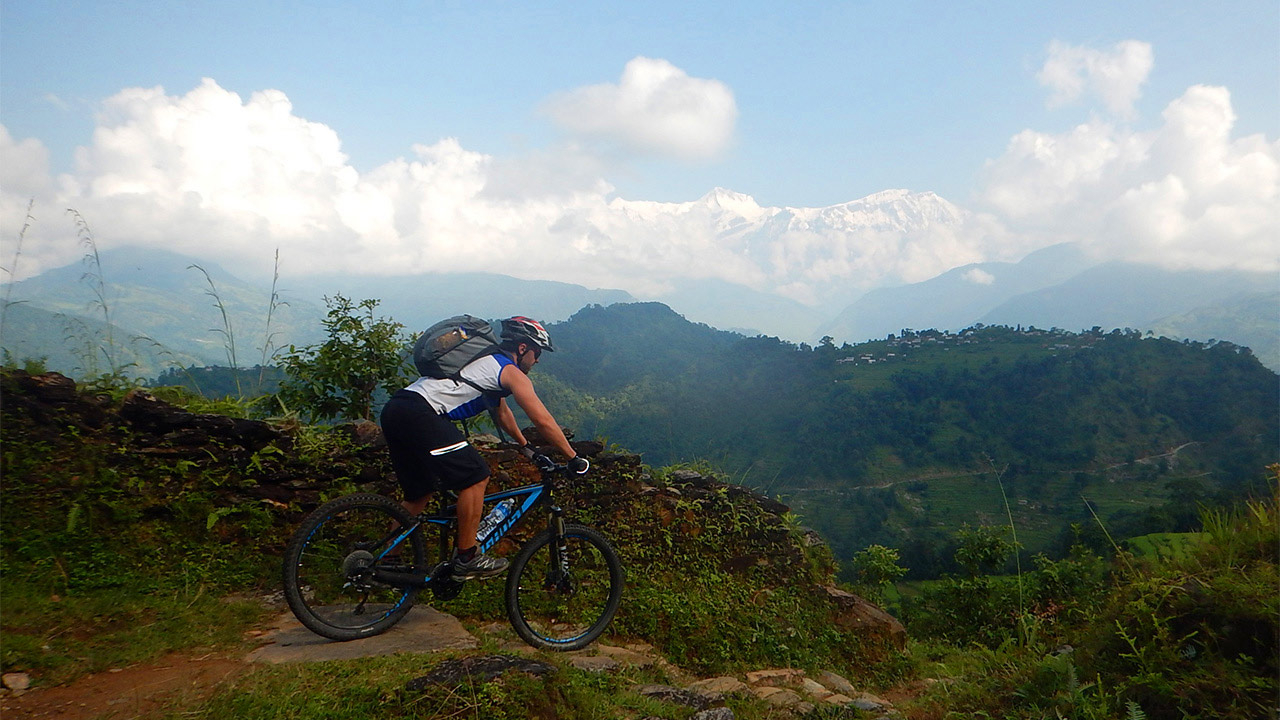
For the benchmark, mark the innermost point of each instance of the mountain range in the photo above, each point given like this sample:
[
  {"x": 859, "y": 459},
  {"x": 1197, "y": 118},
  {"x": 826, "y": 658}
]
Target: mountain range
[{"x": 172, "y": 308}]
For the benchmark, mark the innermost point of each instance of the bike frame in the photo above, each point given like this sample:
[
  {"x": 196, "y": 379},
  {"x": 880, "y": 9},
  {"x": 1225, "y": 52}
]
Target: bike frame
[{"x": 527, "y": 498}]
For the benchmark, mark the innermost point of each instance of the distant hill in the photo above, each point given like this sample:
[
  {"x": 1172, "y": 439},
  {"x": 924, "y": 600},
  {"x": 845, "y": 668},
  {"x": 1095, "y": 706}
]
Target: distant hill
[
  {"x": 954, "y": 299},
  {"x": 1062, "y": 287},
  {"x": 1252, "y": 320},
  {"x": 858, "y": 435},
  {"x": 1117, "y": 295},
  {"x": 163, "y": 310}
]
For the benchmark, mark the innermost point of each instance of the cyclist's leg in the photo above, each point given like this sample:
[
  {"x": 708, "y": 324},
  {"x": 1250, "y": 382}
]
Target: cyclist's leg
[
  {"x": 470, "y": 506},
  {"x": 408, "y": 424},
  {"x": 464, "y": 471}
]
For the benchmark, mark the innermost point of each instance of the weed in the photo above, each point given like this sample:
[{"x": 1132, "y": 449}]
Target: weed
[
  {"x": 226, "y": 331},
  {"x": 12, "y": 270}
]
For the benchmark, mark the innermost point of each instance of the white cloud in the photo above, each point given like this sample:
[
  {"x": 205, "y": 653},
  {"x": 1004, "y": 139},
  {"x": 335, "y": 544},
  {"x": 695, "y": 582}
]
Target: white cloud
[
  {"x": 218, "y": 176},
  {"x": 229, "y": 179},
  {"x": 1185, "y": 194},
  {"x": 978, "y": 276},
  {"x": 1115, "y": 75},
  {"x": 655, "y": 108}
]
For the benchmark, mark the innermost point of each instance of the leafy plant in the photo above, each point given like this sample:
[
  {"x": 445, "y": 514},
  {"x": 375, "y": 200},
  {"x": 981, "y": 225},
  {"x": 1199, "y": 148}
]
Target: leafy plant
[
  {"x": 341, "y": 377},
  {"x": 877, "y": 566}
]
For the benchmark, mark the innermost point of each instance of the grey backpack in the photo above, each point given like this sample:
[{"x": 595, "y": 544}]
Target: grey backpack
[{"x": 449, "y": 345}]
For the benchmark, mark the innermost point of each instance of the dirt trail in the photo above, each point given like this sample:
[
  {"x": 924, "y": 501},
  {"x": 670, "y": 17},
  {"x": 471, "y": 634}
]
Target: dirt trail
[{"x": 174, "y": 681}]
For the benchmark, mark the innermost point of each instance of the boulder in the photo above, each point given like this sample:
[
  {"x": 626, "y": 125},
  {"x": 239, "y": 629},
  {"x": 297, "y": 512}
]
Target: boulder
[{"x": 855, "y": 613}]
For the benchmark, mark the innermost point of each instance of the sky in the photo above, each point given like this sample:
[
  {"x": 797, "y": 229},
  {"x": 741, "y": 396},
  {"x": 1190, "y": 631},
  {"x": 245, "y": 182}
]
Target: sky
[{"x": 556, "y": 141}]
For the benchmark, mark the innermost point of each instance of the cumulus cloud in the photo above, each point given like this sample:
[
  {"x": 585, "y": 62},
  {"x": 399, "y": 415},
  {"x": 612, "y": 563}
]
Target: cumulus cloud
[
  {"x": 1116, "y": 76},
  {"x": 226, "y": 178},
  {"x": 655, "y": 108},
  {"x": 230, "y": 179},
  {"x": 1185, "y": 194}
]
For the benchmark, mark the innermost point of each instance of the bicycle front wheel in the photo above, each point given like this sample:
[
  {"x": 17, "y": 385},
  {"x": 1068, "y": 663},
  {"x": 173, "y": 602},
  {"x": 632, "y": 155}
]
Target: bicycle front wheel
[
  {"x": 562, "y": 596},
  {"x": 336, "y": 565}
]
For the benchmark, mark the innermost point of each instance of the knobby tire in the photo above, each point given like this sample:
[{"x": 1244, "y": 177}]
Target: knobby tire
[
  {"x": 329, "y": 560},
  {"x": 553, "y": 611}
]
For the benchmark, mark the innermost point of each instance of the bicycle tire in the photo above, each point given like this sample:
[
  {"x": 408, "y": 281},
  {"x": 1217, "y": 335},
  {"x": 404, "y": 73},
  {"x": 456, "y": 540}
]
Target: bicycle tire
[
  {"x": 329, "y": 562},
  {"x": 553, "y": 611}
]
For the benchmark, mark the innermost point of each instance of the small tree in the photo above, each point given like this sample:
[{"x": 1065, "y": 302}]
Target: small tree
[
  {"x": 877, "y": 566},
  {"x": 341, "y": 377},
  {"x": 983, "y": 547}
]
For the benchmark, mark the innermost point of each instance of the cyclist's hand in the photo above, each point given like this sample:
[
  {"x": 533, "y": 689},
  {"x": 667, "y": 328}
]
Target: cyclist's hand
[
  {"x": 579, "y": 465},
  {"x": 543, "y": 463}
]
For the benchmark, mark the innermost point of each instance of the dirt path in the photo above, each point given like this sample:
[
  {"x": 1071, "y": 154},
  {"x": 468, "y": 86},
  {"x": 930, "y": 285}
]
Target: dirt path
[
  {"x": 184, "y": 680},
  {"x": 174, "y": 681}
]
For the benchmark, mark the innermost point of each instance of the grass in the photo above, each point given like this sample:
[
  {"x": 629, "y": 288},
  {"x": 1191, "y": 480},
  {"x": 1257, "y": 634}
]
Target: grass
[{"x": 58, "y": 638}]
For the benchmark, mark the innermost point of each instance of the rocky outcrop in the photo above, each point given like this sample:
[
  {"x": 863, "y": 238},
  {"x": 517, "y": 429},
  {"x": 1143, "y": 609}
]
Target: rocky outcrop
[{"x": 856, "y": 613}]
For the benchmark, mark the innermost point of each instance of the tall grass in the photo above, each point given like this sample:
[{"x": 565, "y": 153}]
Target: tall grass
[
  {"x": 12, "y": 270},
  {"x": 269, "y": 350},
  {"x": 96, "y": 280},
  {"x": 227, "y": 332}
]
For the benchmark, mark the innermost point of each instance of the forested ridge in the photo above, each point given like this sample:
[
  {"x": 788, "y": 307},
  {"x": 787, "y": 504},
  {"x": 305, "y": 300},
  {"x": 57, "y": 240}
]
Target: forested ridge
[{"x": 902, "y": 440}]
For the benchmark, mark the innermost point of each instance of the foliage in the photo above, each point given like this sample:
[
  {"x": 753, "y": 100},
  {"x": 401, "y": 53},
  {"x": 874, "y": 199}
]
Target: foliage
[
  {"x": 341, "y": 377},
  {"x": 896, "y": 450},
  {"x": 876, "y": 567},
  {"x": 1187, "y": 634}
]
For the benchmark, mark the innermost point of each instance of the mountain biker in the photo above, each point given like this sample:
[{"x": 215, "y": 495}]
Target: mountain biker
[{"x": 429, "y": 452}]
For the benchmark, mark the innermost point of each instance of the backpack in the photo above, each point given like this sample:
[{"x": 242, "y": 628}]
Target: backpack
[{"x": 449, "y": 345}]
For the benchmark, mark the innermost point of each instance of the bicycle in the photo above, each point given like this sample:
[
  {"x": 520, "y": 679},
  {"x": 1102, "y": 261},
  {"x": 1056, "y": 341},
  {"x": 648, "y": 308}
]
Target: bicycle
[{"x": 357, "y": 563}]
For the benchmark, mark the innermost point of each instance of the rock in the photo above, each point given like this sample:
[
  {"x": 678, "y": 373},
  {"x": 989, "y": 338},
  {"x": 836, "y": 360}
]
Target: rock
[
  {"x": 666, "y": 693},
  {"x": 18, "y": 681},
  {"x": 867, "y": 701},
  {"x": 51, "y": 387},
  {"x": 803, "y": 707},
  {"x": 719, "y": 686},
  {"x": 779, "y": 677},
  {"x": 365, "y": 432},
  {"x": 720, "y": 713},
  {"x": 481, "y": 668},
  {"x": 836, "y": 683},
  {"x": 595, "y": 663},
  {"x": 627, "y": 656},
  {"x": 151, "y": 414},
  {"x": 855, "y": 613},
  {"x": 814, "y": 689},
  {"x": 423, "y": 630},
  {"x": 778, "y": 697},
  {"x": 838, "y": 699}
]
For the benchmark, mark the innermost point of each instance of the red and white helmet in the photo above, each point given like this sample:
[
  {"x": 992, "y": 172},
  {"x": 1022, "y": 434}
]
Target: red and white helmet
[{"x": 526, "y": 330}]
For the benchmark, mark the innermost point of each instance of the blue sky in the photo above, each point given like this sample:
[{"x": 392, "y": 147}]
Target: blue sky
[
  {"x": 835, "y": 100},
  {"x": 797, "y": 104}
]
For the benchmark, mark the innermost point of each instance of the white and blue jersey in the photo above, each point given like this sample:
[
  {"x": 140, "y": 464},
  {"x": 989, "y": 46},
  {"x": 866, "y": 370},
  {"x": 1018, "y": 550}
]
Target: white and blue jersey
[{"x": 459, "y": 400}]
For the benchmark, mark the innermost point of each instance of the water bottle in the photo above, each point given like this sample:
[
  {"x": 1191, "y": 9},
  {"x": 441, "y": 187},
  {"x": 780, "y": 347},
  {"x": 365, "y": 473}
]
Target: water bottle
[{"x": 494, "y": 518}]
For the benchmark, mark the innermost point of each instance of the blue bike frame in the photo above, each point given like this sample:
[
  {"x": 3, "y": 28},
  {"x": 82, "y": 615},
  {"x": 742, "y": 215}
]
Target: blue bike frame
[{"x": 527, "y": 498}]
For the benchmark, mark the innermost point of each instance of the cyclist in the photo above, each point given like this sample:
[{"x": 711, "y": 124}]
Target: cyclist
[{"x": 429, "y": 452}]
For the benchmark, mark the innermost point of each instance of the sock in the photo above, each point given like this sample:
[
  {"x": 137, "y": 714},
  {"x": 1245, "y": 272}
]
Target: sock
[{"x": 466, "y": 555}]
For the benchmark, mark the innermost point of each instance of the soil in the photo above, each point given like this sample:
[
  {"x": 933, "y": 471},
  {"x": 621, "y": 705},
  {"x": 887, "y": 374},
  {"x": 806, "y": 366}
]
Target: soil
[{"x": 174, "y": 681}]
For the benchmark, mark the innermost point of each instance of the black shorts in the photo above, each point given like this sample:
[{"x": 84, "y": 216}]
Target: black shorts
[{"x": 428, "y": 451}]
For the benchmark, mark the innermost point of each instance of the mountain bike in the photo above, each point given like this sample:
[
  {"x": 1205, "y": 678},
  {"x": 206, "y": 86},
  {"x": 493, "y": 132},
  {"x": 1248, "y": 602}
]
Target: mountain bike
[{"x": 357, "y": 563}]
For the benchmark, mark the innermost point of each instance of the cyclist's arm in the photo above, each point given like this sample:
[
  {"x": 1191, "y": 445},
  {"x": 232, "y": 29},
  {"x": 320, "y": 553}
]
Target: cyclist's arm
[
  {"x": 522, "y": 390},
  {"x": 507, "y": 422}
]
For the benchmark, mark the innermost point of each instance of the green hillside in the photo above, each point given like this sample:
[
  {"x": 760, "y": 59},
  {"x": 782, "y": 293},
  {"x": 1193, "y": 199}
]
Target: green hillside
[{"x": 900, "y": 441}]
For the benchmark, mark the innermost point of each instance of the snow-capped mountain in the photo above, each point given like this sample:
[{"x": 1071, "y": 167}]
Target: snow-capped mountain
[{"x": 817, "y": 256}]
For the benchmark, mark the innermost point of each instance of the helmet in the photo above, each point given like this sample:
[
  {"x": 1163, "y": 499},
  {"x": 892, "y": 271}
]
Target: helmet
[{"x": 520, "y": 329}]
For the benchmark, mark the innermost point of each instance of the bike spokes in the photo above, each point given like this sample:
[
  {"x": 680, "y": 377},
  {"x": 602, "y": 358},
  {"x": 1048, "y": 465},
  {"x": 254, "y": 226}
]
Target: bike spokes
[
  {"x": 339, "y": 564},
  {"x": 562, "y": 597}
]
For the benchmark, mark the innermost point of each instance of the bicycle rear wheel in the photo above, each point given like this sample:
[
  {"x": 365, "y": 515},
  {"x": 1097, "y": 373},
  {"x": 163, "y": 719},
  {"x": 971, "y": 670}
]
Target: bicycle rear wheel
[
  {"x": 333, "y": 563},
  {"x": 563, "y": 597}
]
